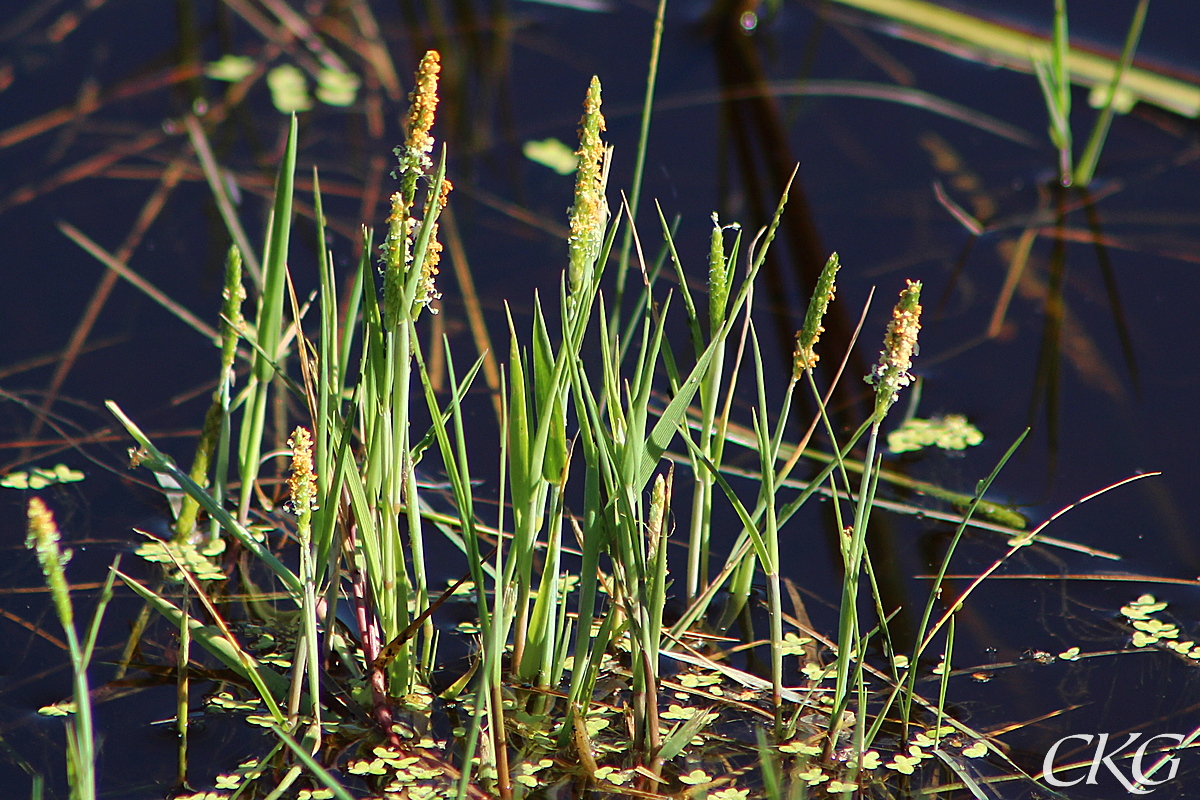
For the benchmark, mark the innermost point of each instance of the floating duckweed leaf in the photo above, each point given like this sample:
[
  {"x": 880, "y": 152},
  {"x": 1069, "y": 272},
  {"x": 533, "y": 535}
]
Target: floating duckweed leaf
[
  {"x": 261, "y": 720},
  {"x": 977, "y": 749},
  {"x": 229, "y": 68},
  {"x": 228, "y": 781},
  {"x": 695, "y": 681},
  {"x": 224, "y": 701},
  {"x": 1143, "y": 607},
  {"x": 695, "y": 777},
  {"x": 595, "y": 725},
  {"x": 812, "y": 776},
  {"x": 63, "y": 709},
  {"x": 38, "y": 478},
  {"x": 837, "y": 787},
  {"x": 815, "y": 672},
  {"x": 951, "y": 432},
  {"x": 677, "y": 711},
  {"x": 613, "y": 775},
  {"x": 376, "y": 767},
  {"x": 1070, "y": 654},
  {"x": 800, "y": 748},
  {"x": 336, "y": 88},
  {"x": 730, "y": 793},
  {"x": 903, "y": 764},
  {"x": 900, "y": 662},
  {"x": 1143, "y": 639},
  {"x": 324, "y": 793},
  {"x": 289, "y": 89},
  {"x": 551, "y": 153},
  {"x": 871, "y": 760},
  {"x": 195, "y": 558},
  {"x": 793, "y": 645},
  {"x": 1157, "y": 628}
]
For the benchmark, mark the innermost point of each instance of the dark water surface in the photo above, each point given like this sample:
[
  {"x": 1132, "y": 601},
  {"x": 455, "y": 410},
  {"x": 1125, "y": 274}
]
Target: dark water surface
[{"x": 1111, "y": 393}]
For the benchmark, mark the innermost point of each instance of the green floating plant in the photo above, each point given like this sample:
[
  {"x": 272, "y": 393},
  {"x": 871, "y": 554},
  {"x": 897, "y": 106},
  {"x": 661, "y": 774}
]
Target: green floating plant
[
  {"x": 289, "y": 89},
  {"x": 229, "y": 68},
  {"x": 951, "y": 432},
  {"x": 551, "y": 153},
  {"x": 38, "y": 478},
  {"x": 337, "y": 88},
  {"x": 196, "y": 557}
]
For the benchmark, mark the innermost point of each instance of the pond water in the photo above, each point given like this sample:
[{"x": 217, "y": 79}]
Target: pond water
[{"x": 1109, "y": 389}]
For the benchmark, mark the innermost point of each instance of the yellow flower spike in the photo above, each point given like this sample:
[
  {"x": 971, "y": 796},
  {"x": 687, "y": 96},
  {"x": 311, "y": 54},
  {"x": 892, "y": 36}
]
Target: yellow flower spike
[
  {"x": 590, "y": 211},
  {"x": 422, "y": 109},
  {"x": 891, "y": 374},
  {"x": 43, "y": 538},
  {"x": 302, "y": 485},
  {"x": 805, "y": 356}
]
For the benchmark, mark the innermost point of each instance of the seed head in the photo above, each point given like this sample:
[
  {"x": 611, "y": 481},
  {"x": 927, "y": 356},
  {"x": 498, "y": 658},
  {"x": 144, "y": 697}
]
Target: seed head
[
  {"x": 302, "y": 485},
  {"x": 422, "y": 109},
  {"x": 590, "y": 210},
  {"x": 891, "y": 374},
  {"x": 807, "y": 337},
  {"x": 42, "y": 538}
]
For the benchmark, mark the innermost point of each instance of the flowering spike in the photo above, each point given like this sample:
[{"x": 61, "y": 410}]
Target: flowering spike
[
  {"x": 302, "y": 485},
  {"x": 899, "y": 346},
  {"x": 720, "y": 276},
  {"x": 43, "y": 539},
  {"x": 404, "y": 292},
  {"x": 423, "y": 101},
  {"x": 590, "y": 211},
  {"x": 807, "y": 337}
]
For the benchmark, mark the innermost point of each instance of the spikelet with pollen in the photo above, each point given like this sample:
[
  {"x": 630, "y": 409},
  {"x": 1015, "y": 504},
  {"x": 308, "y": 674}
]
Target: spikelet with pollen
[
  {"x": 590, "y": 211},
  {"x": 423, "y": 101},
  {"x": 302, "y": 484},
  {"x": 43, "y": 539},
  {"x": 805, "y": 356},
  {"x": 891, "y": 374},
  {"x": 401, "y": 294}
]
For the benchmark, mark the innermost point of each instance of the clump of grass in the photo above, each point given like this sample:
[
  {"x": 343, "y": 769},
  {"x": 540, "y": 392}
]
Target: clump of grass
[{"x": 566, "y": 681}]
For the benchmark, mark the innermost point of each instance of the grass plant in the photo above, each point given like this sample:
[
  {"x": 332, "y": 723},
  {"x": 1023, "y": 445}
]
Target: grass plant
[
  {"x": 43, "y": 539},
  {"x": 566, "y": 681}
]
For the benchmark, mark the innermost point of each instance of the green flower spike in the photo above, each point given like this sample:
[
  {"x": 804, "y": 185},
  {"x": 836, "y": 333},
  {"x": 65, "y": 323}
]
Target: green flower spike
[
  {"x": 590, "y": 212},
  {"x": 805, "y": 356}
]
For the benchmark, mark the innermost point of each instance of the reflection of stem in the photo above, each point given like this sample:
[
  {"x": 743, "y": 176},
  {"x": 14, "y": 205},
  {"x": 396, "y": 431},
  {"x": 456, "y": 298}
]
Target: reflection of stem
[{"x": 1015, "y": 268}]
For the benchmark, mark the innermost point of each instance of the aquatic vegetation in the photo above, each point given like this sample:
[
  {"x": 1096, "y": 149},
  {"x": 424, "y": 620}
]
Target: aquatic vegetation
[{"x": 317, "y": 601}]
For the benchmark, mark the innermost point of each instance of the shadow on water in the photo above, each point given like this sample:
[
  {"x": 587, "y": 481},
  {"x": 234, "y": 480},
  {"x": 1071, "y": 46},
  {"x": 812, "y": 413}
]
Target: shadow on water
[{"x": 1063, "y": 310}]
